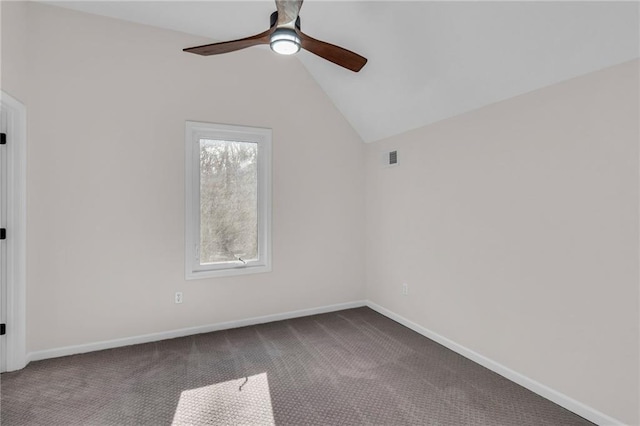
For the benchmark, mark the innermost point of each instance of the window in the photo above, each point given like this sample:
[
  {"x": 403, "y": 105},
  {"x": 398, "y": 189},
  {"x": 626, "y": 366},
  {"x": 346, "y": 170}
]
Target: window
[{"x": 228, "y": 200}]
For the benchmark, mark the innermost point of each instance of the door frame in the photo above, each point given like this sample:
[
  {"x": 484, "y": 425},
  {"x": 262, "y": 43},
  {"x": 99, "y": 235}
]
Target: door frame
[{"x": 15, "y": 338}]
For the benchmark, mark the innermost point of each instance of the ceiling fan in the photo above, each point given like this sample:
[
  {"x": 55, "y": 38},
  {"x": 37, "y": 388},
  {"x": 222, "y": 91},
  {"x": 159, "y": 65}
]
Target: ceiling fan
[{"x": 284, "y": 37}]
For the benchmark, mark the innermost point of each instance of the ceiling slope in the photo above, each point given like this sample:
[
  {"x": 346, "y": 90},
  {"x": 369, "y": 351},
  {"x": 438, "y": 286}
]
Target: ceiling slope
[{"x": 427, "y": 60}]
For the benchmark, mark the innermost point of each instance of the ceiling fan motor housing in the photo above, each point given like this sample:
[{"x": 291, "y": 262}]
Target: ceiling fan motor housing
[{"x": 274, "y": 19}]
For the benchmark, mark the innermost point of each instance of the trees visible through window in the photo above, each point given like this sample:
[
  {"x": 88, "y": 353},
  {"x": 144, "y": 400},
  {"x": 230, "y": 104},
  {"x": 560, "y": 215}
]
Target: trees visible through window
[{"x": 228, "y": 201}]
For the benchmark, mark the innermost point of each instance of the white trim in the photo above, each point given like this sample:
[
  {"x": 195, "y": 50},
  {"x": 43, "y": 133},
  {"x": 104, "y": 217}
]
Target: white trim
[
  {"x": 194, "y": 132},
  {"x": 561, "y": 399},
  {"x": 565, "y": 401},
  {"x": 16, "y": 231},
  {"x": 154, "y": 337}
]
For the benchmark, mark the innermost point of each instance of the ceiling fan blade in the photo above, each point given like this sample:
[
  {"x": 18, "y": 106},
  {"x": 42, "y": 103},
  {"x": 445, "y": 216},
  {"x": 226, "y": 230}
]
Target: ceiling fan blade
[
  {"x": 288, "y": 11},
  {"x": 336, "y": 54},
  {"x": 231, "y": 46}
]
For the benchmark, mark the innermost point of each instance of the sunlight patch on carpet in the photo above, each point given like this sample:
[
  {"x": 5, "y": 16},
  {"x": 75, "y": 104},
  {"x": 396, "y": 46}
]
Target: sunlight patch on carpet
[{"x": 240, "y": 402}]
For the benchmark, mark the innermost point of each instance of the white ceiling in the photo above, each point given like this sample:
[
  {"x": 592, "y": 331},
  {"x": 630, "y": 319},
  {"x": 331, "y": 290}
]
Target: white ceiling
[{"x": 427, "y": 60}]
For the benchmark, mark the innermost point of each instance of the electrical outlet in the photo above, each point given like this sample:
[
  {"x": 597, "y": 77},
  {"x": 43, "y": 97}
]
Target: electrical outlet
[
  {"x": 178, "y": 297},
  {"x": 405, "y": 289}
]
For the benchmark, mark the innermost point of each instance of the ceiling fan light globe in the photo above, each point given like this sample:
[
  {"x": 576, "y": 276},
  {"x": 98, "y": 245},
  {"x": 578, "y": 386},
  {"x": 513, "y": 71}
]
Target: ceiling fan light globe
[{"x": 285, "y": 41}]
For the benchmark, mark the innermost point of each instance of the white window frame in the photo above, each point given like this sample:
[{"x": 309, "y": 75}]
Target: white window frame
[{"x": 195, "y": 131}]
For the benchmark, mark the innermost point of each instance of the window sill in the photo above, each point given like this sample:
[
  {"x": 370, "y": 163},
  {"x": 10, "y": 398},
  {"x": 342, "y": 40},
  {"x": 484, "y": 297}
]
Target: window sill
[{"x": 227, "y": 272}]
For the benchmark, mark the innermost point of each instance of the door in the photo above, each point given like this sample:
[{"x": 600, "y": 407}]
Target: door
[
  {"x": 3, "y": 243},
  {"x": 13, "y": 208}
]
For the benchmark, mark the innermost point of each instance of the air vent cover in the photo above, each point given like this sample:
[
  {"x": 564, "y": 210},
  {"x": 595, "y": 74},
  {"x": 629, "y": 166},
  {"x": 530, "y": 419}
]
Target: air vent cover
[{"x": 393, "y": 158}]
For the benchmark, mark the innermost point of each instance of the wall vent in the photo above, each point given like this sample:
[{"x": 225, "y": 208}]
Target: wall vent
[{"x": 393, "y": 158}]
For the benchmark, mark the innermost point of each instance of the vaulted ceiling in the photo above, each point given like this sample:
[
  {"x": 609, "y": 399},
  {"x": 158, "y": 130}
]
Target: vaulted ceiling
[{"x": 427, "y": 60}]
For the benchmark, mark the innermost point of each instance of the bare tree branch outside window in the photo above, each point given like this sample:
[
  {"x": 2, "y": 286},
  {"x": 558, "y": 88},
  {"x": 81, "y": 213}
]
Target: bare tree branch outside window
[{"x": 228, "y": 201}]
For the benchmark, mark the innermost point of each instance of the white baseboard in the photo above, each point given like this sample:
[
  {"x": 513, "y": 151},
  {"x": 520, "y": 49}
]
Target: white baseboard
[
  {"x": 562, "y": 400},
  {"x": 534, "y": 386},
  {"x": 154, "y": 337}
]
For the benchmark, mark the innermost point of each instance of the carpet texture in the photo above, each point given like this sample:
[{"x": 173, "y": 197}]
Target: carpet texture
[{"x": 343, "y": 368}]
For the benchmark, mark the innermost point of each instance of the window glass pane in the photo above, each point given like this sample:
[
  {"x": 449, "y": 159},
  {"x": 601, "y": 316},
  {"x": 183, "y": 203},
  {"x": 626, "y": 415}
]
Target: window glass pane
[{"x": 228, "y": 201}]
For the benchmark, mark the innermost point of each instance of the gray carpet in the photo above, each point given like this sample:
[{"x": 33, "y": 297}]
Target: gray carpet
[{"x": 344, "y": 368}]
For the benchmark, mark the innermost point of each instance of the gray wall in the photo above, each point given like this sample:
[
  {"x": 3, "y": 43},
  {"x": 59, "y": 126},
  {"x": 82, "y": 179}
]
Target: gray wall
[
  {"x": 107, "y": 104},
  {"x": 516, "y": 229}
]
